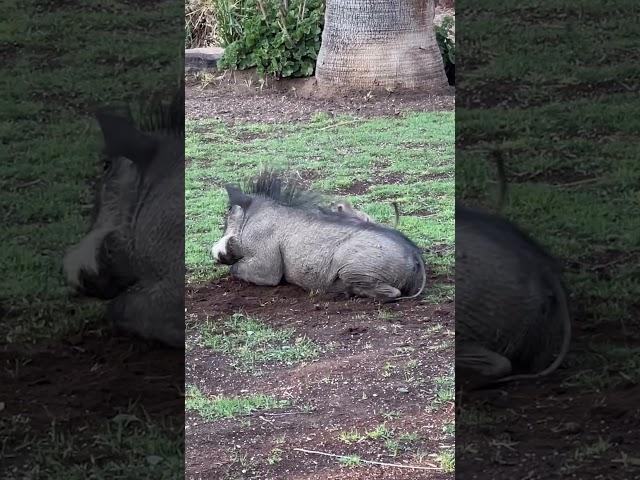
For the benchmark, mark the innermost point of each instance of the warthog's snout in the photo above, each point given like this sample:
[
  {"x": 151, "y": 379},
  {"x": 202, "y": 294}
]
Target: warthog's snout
[
  {"x": 223, "y": 251},
  {"x": 82, "y": 258},
  {"x": 219, "y": 249}
]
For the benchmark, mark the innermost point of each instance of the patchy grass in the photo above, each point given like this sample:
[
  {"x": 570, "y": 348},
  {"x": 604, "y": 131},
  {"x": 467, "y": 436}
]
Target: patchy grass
[
  {"x": 408, "y": 160},
  {"x": 251, "y": 343},
  {"x": 127, "y": 446},
  {"x": 351, "y": 461},
  {"x": 444, "y": 393},
  {"x": 393, "y": 441},
  {"x": 447, "y": 460},
  {"x": 211, "y": 408}
]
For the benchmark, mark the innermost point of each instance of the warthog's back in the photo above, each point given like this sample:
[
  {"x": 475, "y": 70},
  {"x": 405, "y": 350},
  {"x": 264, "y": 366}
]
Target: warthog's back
[{"x": 320, "y": 250}]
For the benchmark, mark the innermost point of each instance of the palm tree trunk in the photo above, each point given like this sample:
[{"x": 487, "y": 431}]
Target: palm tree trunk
[{"x": 380, "y": 44}]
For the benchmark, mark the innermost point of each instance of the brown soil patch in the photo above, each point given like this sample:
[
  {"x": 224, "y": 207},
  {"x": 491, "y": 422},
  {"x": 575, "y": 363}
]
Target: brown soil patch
[
  {"x": 91, "y": 377},
  {"x": 549, "y": 427},
  {"x": 238, "y": 97},
  {"x": 87, "y": 380},
  {"x": 371, "y": 363}
]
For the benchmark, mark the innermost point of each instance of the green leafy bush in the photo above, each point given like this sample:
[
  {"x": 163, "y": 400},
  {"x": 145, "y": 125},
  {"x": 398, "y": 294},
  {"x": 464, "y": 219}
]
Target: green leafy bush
[
  {"x": 446, "y": 42},
  {"x": 281, "y": 38}
]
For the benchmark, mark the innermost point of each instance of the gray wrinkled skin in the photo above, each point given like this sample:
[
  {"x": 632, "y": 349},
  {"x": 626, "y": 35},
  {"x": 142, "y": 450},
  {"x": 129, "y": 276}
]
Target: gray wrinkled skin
[
  {"x": 268, "y": 240},
  {"x": 511, "y": 306},
  {"x": 132, "y": 254}
]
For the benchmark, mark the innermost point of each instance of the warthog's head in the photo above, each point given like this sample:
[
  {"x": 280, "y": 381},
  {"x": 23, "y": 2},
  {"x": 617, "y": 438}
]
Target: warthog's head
[
  {"x": 345, "y": 207},
  {"x": 268, "y": 186},
  {"x": 100, "y": 264},
  {"x": 227, "y": 250}
]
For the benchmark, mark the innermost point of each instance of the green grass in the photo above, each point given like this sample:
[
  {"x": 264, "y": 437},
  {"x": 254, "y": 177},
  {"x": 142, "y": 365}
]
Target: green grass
[
  {"x": 407, "y": 159},
  {"x": 447, "y": 461},
  {"x": 351, "y": 461},
  {"x": 579, "y": 126},
  {"x": 212, "y": 408},
  {"x": 445, "y": 391},
  {"x": 251, "y": 343},
  {"x": 394, "y": 442},
  {"x": 73, "y": 59}
]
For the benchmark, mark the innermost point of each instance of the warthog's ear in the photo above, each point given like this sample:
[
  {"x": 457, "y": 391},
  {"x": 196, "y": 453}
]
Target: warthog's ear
[
  {"x": 237, "y": 197},
  {"x": 122, "y": 139}
]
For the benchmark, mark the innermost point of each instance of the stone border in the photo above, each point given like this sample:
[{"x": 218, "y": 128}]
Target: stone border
[{"x": 202, "y": 59}]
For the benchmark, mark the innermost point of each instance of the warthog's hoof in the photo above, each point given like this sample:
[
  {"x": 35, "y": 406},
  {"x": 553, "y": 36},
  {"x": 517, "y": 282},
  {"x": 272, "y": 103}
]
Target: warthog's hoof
[{"x": 98, "y": 286}]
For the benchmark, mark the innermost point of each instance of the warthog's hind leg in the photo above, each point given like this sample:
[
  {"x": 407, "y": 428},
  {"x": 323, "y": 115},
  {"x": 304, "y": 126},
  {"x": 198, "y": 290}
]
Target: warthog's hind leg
[
  {"x": 480, "y": 366},
  {"x": 154, "y": 313},
  {"x": 380, "y": 291}
]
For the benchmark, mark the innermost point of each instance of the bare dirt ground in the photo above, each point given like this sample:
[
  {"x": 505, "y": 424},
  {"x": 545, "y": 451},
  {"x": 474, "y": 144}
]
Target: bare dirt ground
[
  {"x": 238, "y": 98},
  {"x": 346, "y": 389},
  {"x": 95, "y": 375},
  {"x": 82, "y": 381},
  {"x": 543, "y": 429}
]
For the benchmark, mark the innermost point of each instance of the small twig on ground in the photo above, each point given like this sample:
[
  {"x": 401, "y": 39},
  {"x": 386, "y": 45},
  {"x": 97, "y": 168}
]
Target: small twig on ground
[
  {"x": 339, "y": 124},
  {"x": 28, "y": 184},
  {"x": 398, "y": 465},
  {"x": 285, "y": 413},
  {"x": 578, "y": 182}
]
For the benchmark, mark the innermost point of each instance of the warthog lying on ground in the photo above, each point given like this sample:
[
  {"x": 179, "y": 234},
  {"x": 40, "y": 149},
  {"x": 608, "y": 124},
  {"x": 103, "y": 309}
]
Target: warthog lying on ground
[
  {"x": 512, "y": 311},
  {"x": 133, "y": 253},
  {"x": 275, "y": 232}
]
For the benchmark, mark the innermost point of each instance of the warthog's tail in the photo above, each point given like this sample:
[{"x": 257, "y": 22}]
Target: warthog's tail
[
  {"x": 561, "y": 295},
  {"x": 424, "y": 279},
  {"x": 396, "y": 210},
  {"x": 502, "y": 180}
]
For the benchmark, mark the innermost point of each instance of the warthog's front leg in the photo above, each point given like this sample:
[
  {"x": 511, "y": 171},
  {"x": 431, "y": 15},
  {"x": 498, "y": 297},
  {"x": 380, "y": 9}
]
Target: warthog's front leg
[
  {"x": 262, "y": 270},
  {"x": 154, "y": 313}
]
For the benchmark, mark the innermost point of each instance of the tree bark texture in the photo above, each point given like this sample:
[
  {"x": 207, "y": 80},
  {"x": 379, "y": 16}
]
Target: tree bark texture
[{"x": 380, "y": 44}]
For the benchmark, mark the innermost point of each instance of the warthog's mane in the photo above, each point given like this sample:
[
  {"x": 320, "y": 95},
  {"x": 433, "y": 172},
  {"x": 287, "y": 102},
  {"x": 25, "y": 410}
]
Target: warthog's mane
[
  {"x": 287, "y": 192},
  {"x": 271, "y": 185},
  {"x": 163, "y": 117}
]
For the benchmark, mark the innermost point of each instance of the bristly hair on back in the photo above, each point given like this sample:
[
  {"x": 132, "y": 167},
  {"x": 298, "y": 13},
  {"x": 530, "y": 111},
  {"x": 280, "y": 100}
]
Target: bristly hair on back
[
  {"x": 285, "y": 191},
  {"x": 162, "y": 116}
]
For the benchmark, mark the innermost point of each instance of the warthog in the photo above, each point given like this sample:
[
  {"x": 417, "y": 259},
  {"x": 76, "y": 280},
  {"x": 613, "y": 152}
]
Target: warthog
[
  {"x": 276, "y": 233},
  {"x": 512, "y": 311},
  {"x": 133, "y": 252}
]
